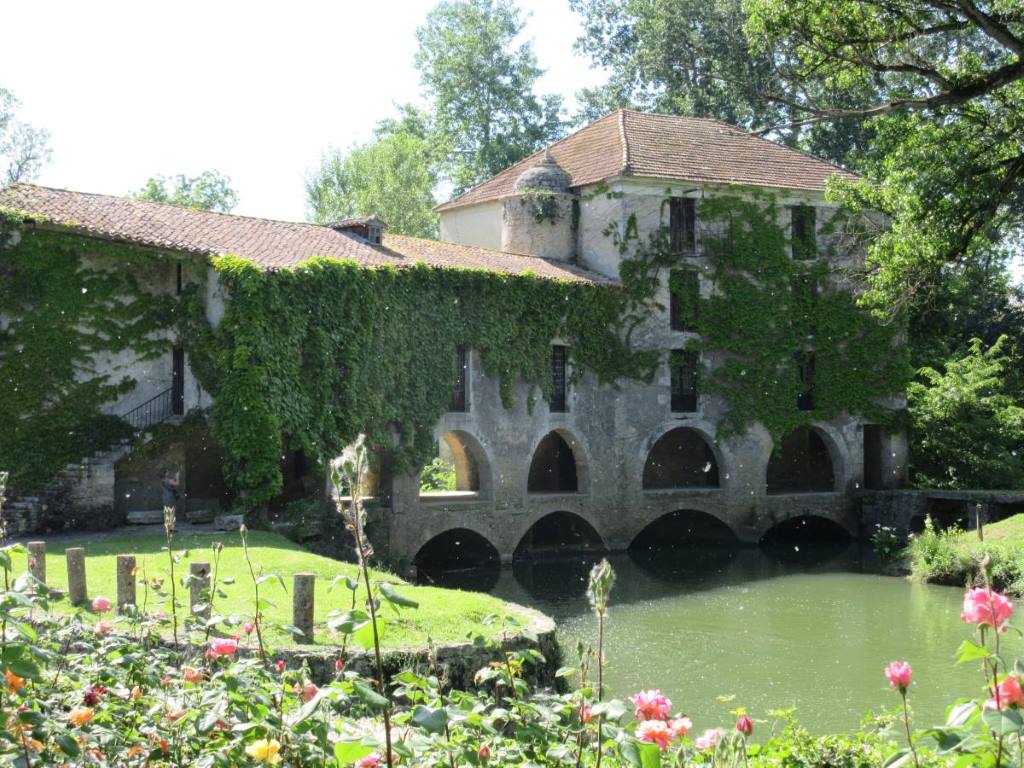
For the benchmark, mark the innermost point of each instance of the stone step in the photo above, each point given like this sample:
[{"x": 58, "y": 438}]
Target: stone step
[
  {"x": 145, "y": 517},
  {"x": 200, "y": 516},
  {"x": 228, "y": 522}
]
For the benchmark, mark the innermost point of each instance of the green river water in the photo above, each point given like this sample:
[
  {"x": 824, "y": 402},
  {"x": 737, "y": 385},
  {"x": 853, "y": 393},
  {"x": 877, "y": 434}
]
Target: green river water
[{"x": 810, "y": 628}]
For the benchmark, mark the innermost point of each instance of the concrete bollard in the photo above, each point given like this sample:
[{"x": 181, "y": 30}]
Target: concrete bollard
[
  {"x": 37, "y": 559},
  {"x": 75, "y": 557},
  {"x": 200, "y": 583},
  {"x": 303, "y": 586},
  {"x": 125, "y": 582}
]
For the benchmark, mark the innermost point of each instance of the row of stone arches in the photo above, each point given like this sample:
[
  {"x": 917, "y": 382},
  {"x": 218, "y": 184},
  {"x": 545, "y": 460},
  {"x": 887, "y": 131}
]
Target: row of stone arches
[
  {"x": 682, "y": 458},
  {"x": 559, "y": 534}
]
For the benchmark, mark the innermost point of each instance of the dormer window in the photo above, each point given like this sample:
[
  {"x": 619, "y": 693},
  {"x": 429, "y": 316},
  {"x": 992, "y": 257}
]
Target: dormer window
[
  {"x": 370, "y": 228},
  {"x": 374, "y": 234}
]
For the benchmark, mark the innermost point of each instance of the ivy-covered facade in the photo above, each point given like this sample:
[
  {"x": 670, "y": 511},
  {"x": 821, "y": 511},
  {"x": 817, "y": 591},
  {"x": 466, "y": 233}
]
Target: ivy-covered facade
[{"x": 592, "y": 358}]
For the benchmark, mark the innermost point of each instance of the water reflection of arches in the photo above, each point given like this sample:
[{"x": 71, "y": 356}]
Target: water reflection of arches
[
  {"x": 802, "y": 463},
  {"x": 681, "y": 458},
  {"x": 465, "y": 453},
  {"x": 682, "y": 528},
  {"x": 457, "y": 548},
  {"x": 558, "y": 465},
  {"x": 557, "y": 534},
  {"x": 809, "y": 539}
]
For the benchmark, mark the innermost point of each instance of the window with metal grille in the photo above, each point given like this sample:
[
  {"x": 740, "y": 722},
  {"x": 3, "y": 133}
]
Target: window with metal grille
[
  {"x": 460, "y": 403},
  {"x": 805, "y": 370},
  {"x": 684, "y": 294},
  {"x": 558, "y": 402},
  {"x": 802, "y": 232},
  {"x": 682, "y": 224},
  {"x": 684, "y": 380}
]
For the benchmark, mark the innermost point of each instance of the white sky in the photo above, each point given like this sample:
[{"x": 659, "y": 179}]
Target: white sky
[{"x": 255, "y": 90}]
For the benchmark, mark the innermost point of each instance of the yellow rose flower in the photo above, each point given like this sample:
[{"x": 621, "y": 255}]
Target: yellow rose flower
[
  {"x": 265, "y": 751},
  {"x": 14, "y": 683},
  {"x": 79, "y": 716}
]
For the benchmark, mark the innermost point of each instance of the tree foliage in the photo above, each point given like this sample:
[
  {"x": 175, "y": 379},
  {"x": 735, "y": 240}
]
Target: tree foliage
[
  {"x": 481, "y": 85},
  {"x": 392, "y": 177},
  {"x": 209, "y": 191},
  {"x": 968, "y": 423},
  {"x": 24, "y": 150}
]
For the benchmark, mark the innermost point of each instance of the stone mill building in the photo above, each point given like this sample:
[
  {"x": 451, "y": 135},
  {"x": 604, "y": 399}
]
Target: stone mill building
[{"x": 593, "y": 465}]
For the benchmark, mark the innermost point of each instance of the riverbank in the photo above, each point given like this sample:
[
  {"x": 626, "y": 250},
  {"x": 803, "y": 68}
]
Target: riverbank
[{"x": 953, "y": 556}]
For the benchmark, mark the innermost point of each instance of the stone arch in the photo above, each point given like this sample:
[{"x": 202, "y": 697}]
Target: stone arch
[
  {"x": 806, "y": 528},
  {"x": 684, "y": 527},
  {"x": 558, "y": 465},
  {"x": 457, "y": 548},
  {"x": 807, "y": 460},
  {"x": 682, "y": 457},
  {"x": 556, "y": 534},
  {"x": 472, "y": 464}
]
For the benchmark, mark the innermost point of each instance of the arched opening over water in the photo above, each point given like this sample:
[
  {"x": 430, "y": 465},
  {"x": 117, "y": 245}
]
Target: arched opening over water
[
  {"x": 806, "y": 531},
  {"x": 557, "y": 465},
  {"x": 457, "y": 548},
  {"x": 557, "y": 534},
  {"x": 460, "y": 468},
  {"x": 684, "y": 528},
  {"x": 681, "y": 458},
  {"x": 801, "y": 463}
]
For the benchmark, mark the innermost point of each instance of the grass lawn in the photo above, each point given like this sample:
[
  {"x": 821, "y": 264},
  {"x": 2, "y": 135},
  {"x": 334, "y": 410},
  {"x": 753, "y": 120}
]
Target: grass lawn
[
  {"x": 443, "y": 614},
  {"x": 951, "y": 556}
]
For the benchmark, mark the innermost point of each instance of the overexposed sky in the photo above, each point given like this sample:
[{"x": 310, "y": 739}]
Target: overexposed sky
[{"x": 255, "y": 90}]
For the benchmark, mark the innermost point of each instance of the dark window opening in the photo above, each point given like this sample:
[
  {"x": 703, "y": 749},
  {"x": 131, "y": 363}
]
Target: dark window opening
[
  {"x": 180, "y": 278},
  {"x": 805, "y": 372},
  {"x": 681, "y": 458},
  {"x": 803, "y": 236},
  {"x": 684, "y": 380},
  {"x": 872, "y": 457},
  {"x": 682, "y": 224},
  {"x": 559, "y": 401},
  {"x": 801, "y": 464},
  {"x": 553, "y": 469},
  {"x": 178, "y": 381},
  {"x": 459, "y": 402},
  {"x": 684, "y": 295}
]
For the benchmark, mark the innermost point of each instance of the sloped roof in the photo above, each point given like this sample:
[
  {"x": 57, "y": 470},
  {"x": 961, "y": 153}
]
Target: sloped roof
[
  {"x": 630, "y": 143},
  {"x": 267, "y": 243}
]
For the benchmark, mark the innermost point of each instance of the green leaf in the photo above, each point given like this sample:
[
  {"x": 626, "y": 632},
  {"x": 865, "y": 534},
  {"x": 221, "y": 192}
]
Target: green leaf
[
  {"x": 68, "y": 745},
  {"x": 641, "y": 754},
  {"x": 960, "y": 714},
  {"x": 430, "y": 720},
  {"x": 612, "y": 710},
  {"x": 348, "y": 752},
  {"x": 395, "y": 598},
  {"x": 969, "y": 651},
  {"x": 369, "y": 696},
  {"x": 1003, "y": 722},
  {"x": 364, "y": 634},
  {"x": 898, "y": 758}
]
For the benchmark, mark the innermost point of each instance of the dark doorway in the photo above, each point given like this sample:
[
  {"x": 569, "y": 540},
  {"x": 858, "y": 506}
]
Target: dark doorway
[
  {"x": 801, "y": 464},
  {"x": 553, "y": 469},
  {"x": 872, "y": 457},
  {"x": 558, "y": 534},
  {"x": 684, "y": 528},
  {"x": 178, "y": 382},
  {"x": 681, "y": 458}
]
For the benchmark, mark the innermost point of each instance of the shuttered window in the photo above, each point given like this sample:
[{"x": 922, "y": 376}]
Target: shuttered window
[
  {"x": 683, "y": 224},
  {"x": 558, "y": 401},
  {"x": 684, "y": 380}
]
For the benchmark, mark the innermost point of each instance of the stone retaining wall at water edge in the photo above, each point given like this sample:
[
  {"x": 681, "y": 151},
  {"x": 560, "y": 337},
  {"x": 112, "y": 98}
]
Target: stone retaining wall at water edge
[{"x": 455, "y": 664}]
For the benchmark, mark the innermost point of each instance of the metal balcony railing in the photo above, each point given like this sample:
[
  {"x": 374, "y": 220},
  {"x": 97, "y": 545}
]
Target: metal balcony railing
[{"x": 153, "y": 411}]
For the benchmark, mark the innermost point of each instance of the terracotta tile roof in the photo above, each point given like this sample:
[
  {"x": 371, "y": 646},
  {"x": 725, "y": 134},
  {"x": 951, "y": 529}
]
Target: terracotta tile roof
[
  {"x": 628, "y": 143},
  {"x": 267, "y": 243}
]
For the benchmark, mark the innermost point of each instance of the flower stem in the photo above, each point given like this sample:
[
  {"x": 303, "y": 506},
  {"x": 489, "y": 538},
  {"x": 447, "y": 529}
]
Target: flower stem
[{"x": 906, "y": 724}]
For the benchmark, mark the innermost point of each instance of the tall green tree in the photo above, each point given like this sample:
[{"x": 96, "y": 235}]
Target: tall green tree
[
  {"x": 481, "y": 84},
  {"x": 209, "y": 191},
  {"x": 24, "y": 149},
  {"x": 392, "y": 177},
  {"x": 947, "y": 117}
]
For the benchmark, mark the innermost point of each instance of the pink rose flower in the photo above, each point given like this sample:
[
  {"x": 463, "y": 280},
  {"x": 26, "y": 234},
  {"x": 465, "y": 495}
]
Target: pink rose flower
[
  {"x": 370, "y": 761},
  {"x": 248, "y": 627},
  {"x": 101, "y": 604},
  {"x": 680, "y": 726},
  {"x": 656, "y": 731},
  {"x": 708, "y": 740},
  {"x": 223, "y": 646},
  {"x": 104, "y": 628},
  {"x": 280, "y": 666},
  {"x": 586, "y": 715},
  {"x": 898, "y": 673},
  {"x": 191, "y": 675},
  {"x": 339, "y": 665},
  {"x": 1007, "y": 694},
  {"x": 984, "y": 607},
  {"x": 745, "y": 725},
  {"x": 650, "y": 705},
  {"x": 484, "y": 753},
  {"x": 309, "y": 690}
]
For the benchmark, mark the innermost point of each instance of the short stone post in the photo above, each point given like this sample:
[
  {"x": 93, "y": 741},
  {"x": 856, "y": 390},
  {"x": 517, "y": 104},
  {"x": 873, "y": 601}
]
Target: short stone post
[
  {"x": 125, "y": 582},
  {"x": 200, "y": 583},
  {"x": 75, "y": 557},
  {"x": 37, "y": 559},
  {"x": 303, "y": 586}
]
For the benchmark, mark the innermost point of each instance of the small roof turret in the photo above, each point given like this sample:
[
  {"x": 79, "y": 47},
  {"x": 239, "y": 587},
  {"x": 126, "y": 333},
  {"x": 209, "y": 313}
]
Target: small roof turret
[{"x": 547, "y": 174}]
